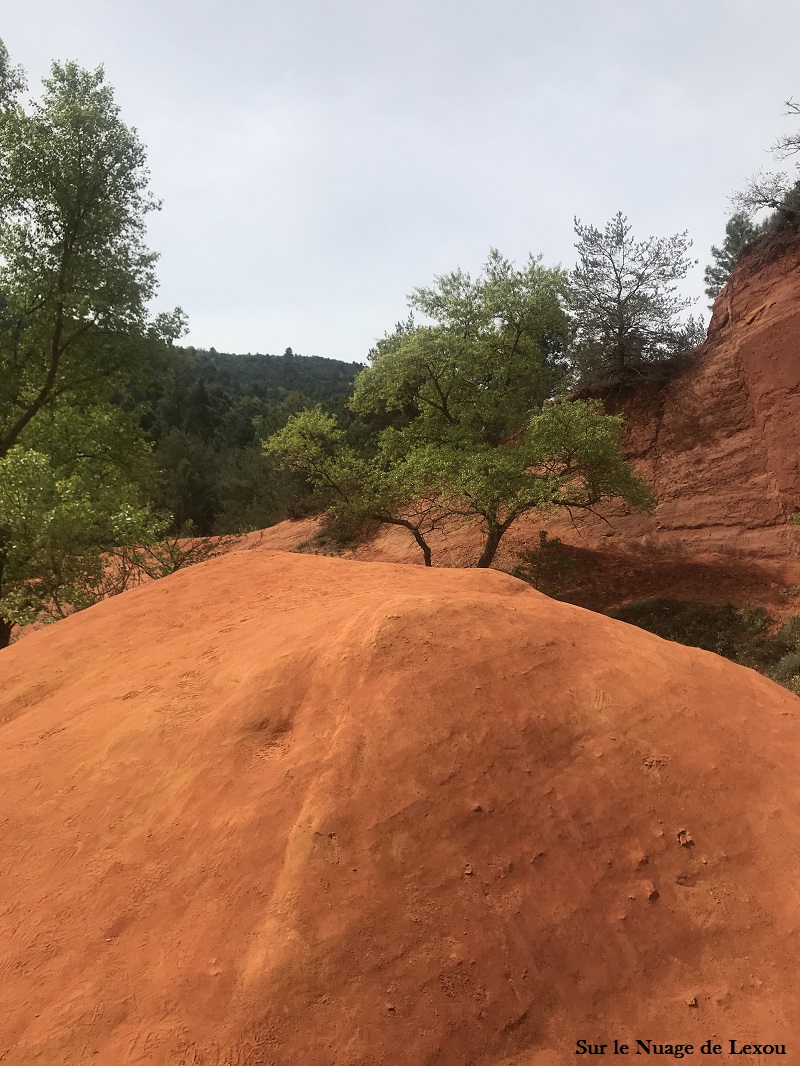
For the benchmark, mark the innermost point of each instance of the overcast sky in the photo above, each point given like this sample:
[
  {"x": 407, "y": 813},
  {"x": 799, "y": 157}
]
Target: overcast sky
[{"x": 317, "y": 159}]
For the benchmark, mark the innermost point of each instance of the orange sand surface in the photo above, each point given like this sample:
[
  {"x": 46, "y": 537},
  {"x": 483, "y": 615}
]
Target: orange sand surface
[{"x": 288, "y": 809}]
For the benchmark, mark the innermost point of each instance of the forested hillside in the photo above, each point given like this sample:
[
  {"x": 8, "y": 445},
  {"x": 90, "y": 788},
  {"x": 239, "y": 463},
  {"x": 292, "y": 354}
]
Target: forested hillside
[{"x": 206, "y": 413}]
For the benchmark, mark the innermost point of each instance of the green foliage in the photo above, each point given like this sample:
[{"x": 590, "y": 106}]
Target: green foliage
[
  {"x": 787, "y": 636},
  {"x": 739, "y": 232},
  {"x": 624, "y": 301},
  {"x": 75, "y": 275},
  {"x": 475, "y": 434},
  {"x": 739, "y": 634},
  {"x": 75, "y": 283},
  {"x": 206, "y": 414},
  {"x": 494, "y": 352},
  {"x": 12, "y": 79},
  {"x": 55, "y": 528},
  {"x": 473, "y": 441},
  {"x": 546, "y": 566},
  {"x": 788, "y": 667}
]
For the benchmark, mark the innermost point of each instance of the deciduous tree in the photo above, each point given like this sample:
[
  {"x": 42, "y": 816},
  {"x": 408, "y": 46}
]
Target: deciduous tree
[
  {"x": 75, "y": 283},
  {"x": 477, "y": 439}
]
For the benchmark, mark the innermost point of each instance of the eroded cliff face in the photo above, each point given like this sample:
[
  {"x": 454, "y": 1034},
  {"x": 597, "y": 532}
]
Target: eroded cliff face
[{"x": 720, "y": 441}]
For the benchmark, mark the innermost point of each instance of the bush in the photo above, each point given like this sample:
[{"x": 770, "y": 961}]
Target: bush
[
  {"x": 341, "y": 530},
  {"x": 739, "y": 634},
  {"x": 712, "y": 628},
  {"x": 788, "y": 635},
  {"x": 545, "y": 567},
  {"x": 788, "y": 667}
]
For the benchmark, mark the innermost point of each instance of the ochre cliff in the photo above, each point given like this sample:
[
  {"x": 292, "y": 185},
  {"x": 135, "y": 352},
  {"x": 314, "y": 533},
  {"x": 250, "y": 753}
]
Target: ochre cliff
[{"x": 719, "y": 442}]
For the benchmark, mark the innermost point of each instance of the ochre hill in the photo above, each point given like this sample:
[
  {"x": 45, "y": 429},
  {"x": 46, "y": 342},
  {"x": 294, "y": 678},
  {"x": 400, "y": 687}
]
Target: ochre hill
[{"x": 291, "y": 810}]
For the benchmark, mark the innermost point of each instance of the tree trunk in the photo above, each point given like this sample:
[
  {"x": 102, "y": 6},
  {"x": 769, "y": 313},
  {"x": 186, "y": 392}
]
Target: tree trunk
[
  {"x": 493, "y": 539},
  {"x": 5, "y": 625},
  {"x": 426, "y": 551},
  {"x": 418, "y": 537}
]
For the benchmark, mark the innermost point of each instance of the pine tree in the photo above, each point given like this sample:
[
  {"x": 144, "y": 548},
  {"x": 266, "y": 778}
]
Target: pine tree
[
  {"x": 625, "y": 300},
  {"x": 738, "y": 232}
]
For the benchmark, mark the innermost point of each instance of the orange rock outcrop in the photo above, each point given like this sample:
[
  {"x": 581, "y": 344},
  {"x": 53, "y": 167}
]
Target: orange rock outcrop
[{"x": 280, "y": 809}]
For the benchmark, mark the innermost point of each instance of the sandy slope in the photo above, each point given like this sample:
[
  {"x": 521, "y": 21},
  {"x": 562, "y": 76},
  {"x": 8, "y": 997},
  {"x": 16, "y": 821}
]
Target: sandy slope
[{"x": 299, "y": 810}]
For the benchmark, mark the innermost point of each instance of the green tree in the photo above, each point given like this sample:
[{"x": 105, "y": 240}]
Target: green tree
[
  {"x": 495, "y": 351},
  {"x": 12, "y": 79},
  {"x": 75, "y": 492},
  {"x": 625, "y": 301},
  {"x": 475, "y": 438},
  {"x": 739, "y": 231},
  {"x": 75, "y": 283},
  {"x": 391, "y": 487}
]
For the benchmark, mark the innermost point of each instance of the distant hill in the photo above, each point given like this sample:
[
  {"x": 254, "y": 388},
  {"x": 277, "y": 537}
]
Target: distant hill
[
  {"x": 207, "y": 413},
  {"x": 271, "y": 376}
]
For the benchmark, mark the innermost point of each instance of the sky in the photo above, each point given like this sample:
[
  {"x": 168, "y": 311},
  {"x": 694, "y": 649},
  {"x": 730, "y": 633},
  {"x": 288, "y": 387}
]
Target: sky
[{"x": 318, "y": 159}]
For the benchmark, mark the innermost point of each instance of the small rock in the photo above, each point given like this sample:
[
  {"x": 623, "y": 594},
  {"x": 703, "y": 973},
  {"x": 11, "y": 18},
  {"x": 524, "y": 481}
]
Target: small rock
[
  {"x": 653, "y": 894},
  {"x": 692, "y": 1002},
  {"x": 685, "y": 838},
  {"x": 468, "y": 871},
  {"x": 390, "y": 1007},
  {"x": 476, "y": 808}
]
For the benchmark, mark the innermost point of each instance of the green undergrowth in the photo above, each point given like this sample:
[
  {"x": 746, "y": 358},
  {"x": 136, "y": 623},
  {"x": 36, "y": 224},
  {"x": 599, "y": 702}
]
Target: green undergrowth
[
  {"x": 740, "y": 634},
  {"x": 547, "y": 567}
]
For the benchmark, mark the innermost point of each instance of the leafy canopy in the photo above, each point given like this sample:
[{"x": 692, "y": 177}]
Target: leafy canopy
[
  {"x": 494, "y": 351},
  {"x": 75, "y": 283},
  {"x": 474, "y": 436},
  {"x": 75, "y": 276}
]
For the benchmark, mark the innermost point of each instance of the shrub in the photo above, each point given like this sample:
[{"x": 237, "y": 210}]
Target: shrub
[
  {"x": 737, "y": 634},
  {"x": 545, "y": 567},
  {"x": 788, "y": 667}
]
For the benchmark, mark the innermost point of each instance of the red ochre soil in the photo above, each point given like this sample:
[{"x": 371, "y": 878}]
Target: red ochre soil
[{"x": 285, "y": 809}]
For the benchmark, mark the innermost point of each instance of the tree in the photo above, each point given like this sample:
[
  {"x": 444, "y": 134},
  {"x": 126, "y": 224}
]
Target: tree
[
  {"x": 475, "y": 436},
  {"x": 789, "y": 144},
  {"x": 72, "y": 494},
  {"x": 624, "y": 299},
  {"x": 566, "y": 455},
  {"x": 12, "y": 79},
  {"x": 75, "y": 275},
  {"x": 75, "y": 283},
  {"x": 774, "y": 192},
  {"x": 495, "y": 351},
  {"x": 390, "y": 487},
  {"x": 739, "y": 231},
  {"x": 770, "y": 192}
]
